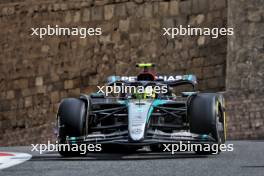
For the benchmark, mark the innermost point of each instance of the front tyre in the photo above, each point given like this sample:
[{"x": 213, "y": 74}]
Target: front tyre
[
  {"x": 71, "y": 123},
  {"x": 206, "y": 116}
]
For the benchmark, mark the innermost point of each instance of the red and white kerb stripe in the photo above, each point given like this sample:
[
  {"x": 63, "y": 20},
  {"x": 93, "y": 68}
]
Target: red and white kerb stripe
[{"x": 8, "y": 159}]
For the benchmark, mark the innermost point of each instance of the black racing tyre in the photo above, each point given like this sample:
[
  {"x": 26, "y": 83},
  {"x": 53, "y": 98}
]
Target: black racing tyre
[
  {"x": 206, "y": 116},
  {"x": 71, "y": 122},
  {"x": 222, "y": 117}
]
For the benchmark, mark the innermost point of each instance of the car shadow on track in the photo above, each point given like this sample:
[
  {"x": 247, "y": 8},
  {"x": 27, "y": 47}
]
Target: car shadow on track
[{"x": 103, "y": 156}]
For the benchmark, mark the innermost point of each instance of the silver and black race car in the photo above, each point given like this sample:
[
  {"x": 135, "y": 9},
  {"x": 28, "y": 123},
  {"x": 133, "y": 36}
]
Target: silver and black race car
[{"x": 167, "y": 110}]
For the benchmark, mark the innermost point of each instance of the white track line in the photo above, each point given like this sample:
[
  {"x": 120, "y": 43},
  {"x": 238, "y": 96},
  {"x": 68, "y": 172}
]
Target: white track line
[{"x": 9, "y": 159}]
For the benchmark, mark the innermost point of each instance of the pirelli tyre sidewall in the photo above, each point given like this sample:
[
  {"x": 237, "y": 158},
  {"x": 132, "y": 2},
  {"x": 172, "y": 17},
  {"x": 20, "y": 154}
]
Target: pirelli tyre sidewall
[
  {"x": 72, "y": 116},
  {"x": 71, "y": 121},
  {"x": 206, "y": 115},
  {"x": 222, "y": 113}
]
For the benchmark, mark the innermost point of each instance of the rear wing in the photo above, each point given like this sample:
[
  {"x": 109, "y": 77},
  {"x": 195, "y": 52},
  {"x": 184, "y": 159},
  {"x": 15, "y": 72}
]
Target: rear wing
[{"x": 171, "y": 80}]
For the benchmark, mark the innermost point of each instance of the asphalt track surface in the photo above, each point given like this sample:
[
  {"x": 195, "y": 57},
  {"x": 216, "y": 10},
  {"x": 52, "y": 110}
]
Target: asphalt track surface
[{"x": 247, "y": 159}]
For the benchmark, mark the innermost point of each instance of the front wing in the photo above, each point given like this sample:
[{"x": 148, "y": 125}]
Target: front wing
[{"x": 151, "y": 138}]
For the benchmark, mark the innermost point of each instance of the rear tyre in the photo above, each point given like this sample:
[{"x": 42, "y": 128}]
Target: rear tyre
[
  {"x": 71, "y": 123},
  {"x": 206, "y": 117}
]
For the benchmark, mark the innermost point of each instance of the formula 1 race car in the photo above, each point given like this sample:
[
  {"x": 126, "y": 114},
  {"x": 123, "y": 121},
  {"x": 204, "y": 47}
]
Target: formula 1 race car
[{"x": 154, "y": 116}]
